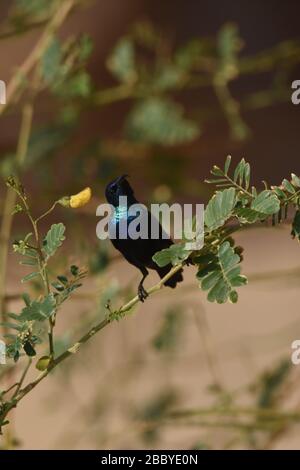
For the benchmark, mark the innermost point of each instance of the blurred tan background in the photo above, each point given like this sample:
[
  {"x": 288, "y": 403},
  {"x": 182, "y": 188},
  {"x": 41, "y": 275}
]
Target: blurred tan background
[{"x": 176, "y": 351}]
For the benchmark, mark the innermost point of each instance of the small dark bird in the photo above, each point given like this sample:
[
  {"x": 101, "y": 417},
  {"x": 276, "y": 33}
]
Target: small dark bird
[{"x": 138, "y": 252}]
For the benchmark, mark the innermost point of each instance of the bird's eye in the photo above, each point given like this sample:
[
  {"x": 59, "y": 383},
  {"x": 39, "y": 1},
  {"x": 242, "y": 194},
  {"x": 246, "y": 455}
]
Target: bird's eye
[{"x": 113, "y": 188}]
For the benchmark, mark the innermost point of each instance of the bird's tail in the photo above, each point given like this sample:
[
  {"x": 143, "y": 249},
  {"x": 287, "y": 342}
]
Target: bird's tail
[{"x": 172, "y": 282}]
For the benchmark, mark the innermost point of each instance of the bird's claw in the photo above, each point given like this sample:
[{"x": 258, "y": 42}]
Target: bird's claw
[{"x": 142, "y": 293}]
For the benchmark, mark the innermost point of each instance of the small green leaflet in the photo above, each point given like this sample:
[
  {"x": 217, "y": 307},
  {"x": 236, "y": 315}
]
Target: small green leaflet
[
  {"x": 219, "y": 208},
  {"x": 227, "y": 164},
  {"x": 175, "y": 254},
  {"x": 288, "y": 186},
  {"x": 39, "y": 311},
  {"x": 54, "y": 239},
  {"x": 246, "y": 215},
  {"x": 29, "y": 262},
  {"x": 222, "y": 275},
  {"x": 242, "y": 174},
  {"x": 264, "y": 205},
  {"x": 30, "y": 276},
  {"x": 160, "y": 121},
  {"x": 295, "y": 180}
]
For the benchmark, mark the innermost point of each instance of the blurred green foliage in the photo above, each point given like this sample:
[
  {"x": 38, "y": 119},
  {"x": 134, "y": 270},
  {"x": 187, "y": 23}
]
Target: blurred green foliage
[
  {"x": 167, "y": 338},
  {"x": 154, "y": 77}
]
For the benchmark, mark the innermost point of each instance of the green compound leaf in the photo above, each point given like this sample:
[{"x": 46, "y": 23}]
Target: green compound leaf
[
  {"x": 222, "y": 275},
  {"x": 240, "y": 179},
  {"x": 54, "y": 239},
  {"x": 266, "y": 203},
  {"x": 175, "y": 254},
  {"x": 160, "y": 121},
  {"x": 219, "y": 208},
  {"x": 51, "y": 62},
  {"x": 272, "y": 382},
  {"x": 167, "y": 337},
  {"x": 227, "y": 164},
  {"x": 39, "y": 311},
  {"x": 33, "y": 7}
]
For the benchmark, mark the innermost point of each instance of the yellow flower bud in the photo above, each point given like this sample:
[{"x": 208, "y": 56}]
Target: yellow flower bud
[
  {"x": 80, "y": 199},
  {"x": 43, "y": 363}
]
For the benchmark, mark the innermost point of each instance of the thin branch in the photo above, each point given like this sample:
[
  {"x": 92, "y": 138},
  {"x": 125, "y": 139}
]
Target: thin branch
[
  {"x": 47, "y": 212},
  {"x": 23, "y": 376},
  {"x": 266, "y": 413},
  {"x": 42, "y": 266},
  {"x": 113, "y": 94},
  {"x": 9, "y": 389},
  {"x": 86, "y": 337}
]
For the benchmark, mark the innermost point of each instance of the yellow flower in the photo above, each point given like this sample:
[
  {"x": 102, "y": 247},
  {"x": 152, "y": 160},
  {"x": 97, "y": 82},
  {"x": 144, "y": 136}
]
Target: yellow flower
[{"x": 80, "y": 199}]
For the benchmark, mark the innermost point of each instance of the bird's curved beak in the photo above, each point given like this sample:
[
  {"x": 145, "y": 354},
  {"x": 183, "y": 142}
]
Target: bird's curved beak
[{"x": 121, "y": 178}]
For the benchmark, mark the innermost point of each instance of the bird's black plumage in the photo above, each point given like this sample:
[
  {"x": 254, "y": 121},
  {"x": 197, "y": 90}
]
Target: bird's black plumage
[{"x": 138, "y": 252}]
